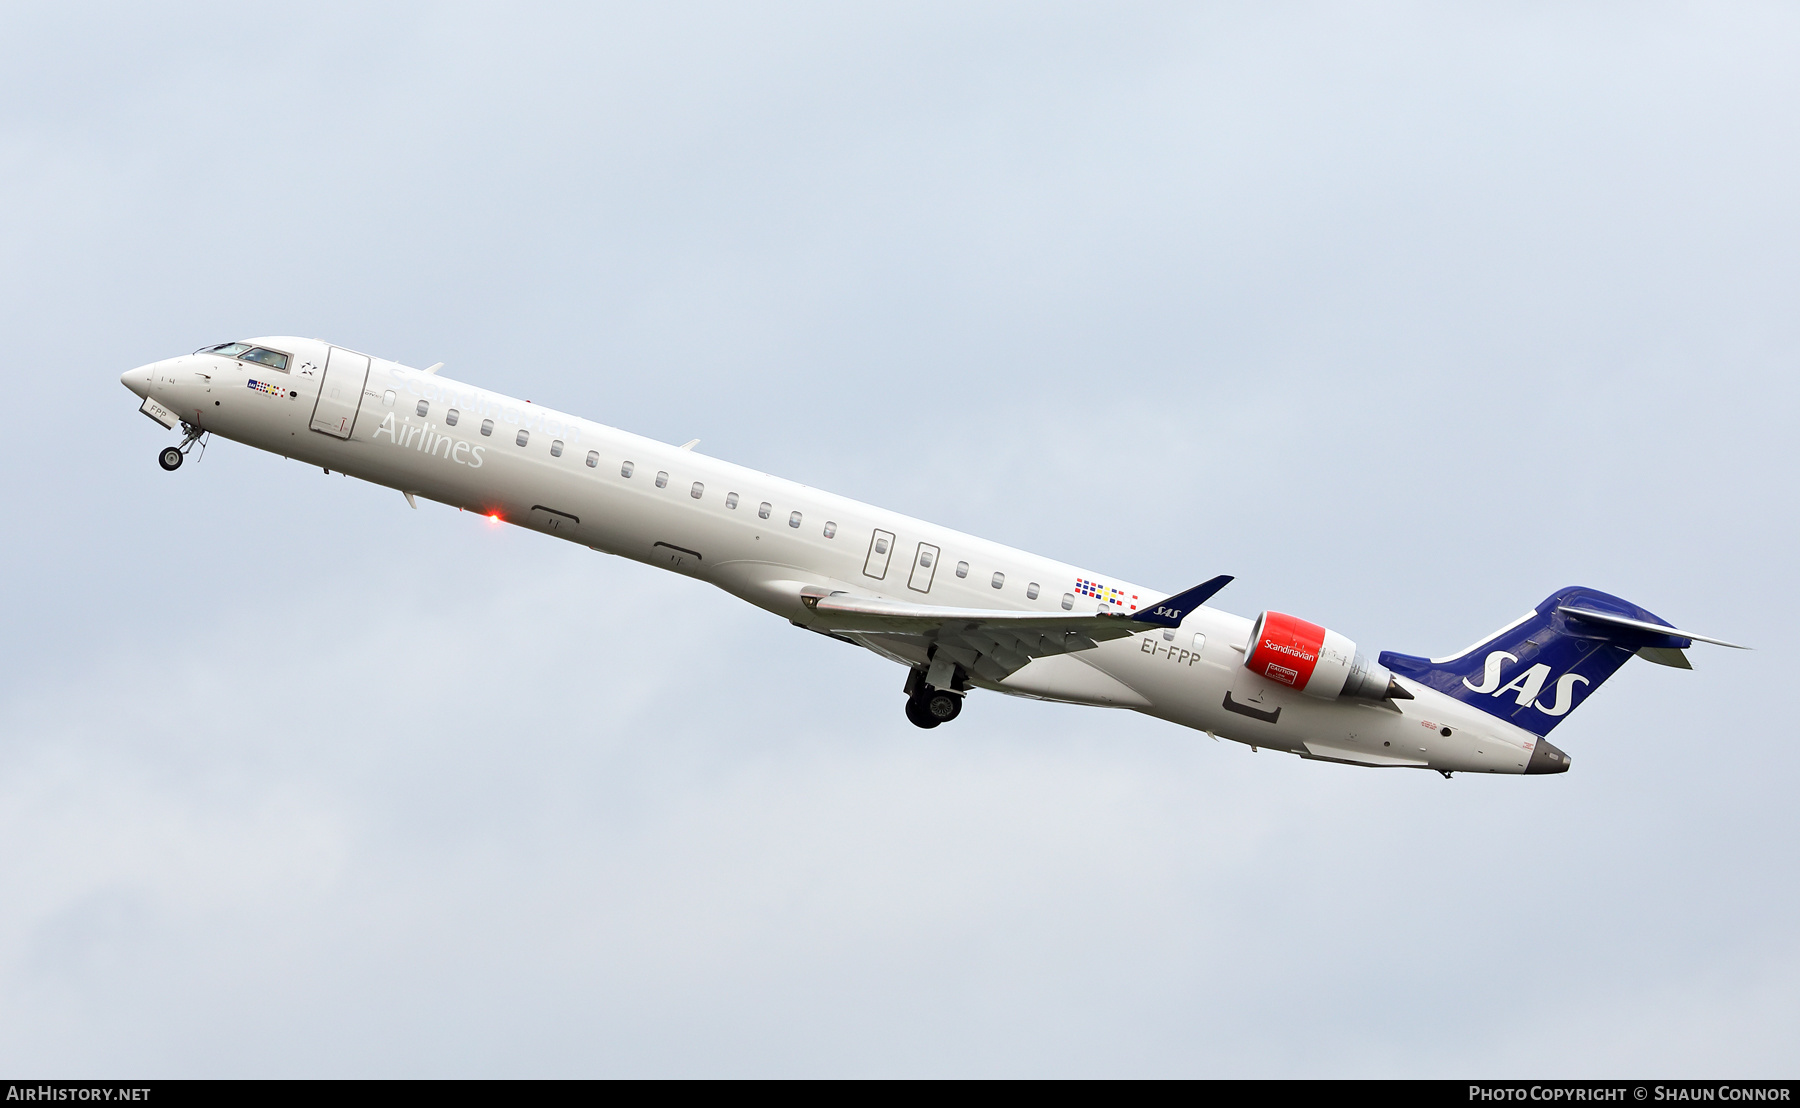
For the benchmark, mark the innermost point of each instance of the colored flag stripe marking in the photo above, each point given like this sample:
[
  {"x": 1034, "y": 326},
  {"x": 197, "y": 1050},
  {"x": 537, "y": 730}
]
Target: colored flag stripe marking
[{"x": 1107, "y": 593}]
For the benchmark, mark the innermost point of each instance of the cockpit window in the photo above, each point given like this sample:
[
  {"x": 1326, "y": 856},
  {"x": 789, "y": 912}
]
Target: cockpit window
[
  {"x": 267, "y": 357},
  {"x": 225, "y": 349}
]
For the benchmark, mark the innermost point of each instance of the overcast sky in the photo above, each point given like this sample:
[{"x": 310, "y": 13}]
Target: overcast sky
[{"x": 1405, "y": 315}]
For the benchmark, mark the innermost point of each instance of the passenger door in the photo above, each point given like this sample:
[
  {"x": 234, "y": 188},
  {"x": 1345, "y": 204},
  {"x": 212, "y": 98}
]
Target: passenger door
[{"x": 340, "y": 393}]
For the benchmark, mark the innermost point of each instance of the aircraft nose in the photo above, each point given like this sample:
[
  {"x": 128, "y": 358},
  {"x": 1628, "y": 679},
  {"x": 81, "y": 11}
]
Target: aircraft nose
[
  {"x": 138, "y": 380},
  {"x": 1547, "y": 759}
]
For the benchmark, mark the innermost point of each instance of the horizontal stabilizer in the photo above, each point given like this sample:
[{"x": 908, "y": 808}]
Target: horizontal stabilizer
[
  {"x": 1642, "y": 625},
  {"x": 1169, "y": 612}
]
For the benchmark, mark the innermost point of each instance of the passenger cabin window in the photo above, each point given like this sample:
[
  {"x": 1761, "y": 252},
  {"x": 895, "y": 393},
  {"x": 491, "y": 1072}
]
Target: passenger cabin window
[
  {"x": 925, "y": 559},
  {"x": 999, "y": 580},
  {"x": 762, "y": 511},
  {"x": 962, "y": 569},
  {"x": 524, "y": 436},
  {"x": 731, "y": 500},
  {"x": 1199, "y": 643},
  {"x": 451, "y": 415},
  {"x": 1168, "y": 634},
  {"x": 625, "y": 470},
  {"x": 830, "y": 530},
  {"x": 1031, "y": 591},
  {"x": 424, "y": 407},
  {"x": 487, "y": 426},
  {"x": 387, "y": 398},
  {"x": 662, "y": 478},
  {"x": 697, "y": 491},
  {"x": 556, "y": 448},
  {"x": 593, "y": 459},
  {"x": 1068, "y": 601},
  {"x": 266, "y": 357},
  {"x": 225, "y": 349},
  {"x": 880, "y": 544},
  {"x": 794, "y": 520}
]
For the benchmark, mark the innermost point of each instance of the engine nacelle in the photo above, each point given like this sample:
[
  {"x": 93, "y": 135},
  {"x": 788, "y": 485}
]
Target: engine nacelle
[{"x": 1310, "y": 659}]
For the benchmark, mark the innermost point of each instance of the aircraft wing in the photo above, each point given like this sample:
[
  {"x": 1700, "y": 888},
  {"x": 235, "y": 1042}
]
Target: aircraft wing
[{"x": 992, "y": 644}]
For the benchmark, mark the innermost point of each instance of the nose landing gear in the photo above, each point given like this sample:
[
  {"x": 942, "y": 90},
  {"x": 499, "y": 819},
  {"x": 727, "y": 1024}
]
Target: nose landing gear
[{"x": 170, "y": 457}]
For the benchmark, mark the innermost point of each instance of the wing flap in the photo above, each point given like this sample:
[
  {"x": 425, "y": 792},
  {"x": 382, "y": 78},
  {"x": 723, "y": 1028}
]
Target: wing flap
[
  {"x": 990, "y": 644},
  {"x": 843, "y": 612}
]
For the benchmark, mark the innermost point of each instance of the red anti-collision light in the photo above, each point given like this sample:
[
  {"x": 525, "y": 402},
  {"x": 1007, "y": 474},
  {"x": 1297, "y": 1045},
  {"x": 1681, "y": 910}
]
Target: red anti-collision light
[{"x": 1284, "y": 648}]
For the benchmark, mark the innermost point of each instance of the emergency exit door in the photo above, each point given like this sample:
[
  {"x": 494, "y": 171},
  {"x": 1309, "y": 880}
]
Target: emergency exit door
[
  {"x": 340, "y": 393},
  {"x": 924, "y": 568},
  {"x": 881, "y": 548}
]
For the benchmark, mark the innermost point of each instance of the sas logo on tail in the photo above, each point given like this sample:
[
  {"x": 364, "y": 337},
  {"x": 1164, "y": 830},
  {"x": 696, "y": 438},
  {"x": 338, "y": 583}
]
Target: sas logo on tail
[{"x": 1527, "y": 684}]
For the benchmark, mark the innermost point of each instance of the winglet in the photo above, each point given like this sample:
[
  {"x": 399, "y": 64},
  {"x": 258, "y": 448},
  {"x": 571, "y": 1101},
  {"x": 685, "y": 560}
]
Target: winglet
[{"x": 1168, "y": 613}]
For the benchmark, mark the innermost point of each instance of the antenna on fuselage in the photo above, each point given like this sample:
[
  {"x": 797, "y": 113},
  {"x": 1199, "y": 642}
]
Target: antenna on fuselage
[{"x": 435, "y": 368}]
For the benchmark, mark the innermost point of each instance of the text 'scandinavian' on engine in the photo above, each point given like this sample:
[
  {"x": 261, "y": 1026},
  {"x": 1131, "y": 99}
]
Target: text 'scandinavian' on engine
[{"x": 958, "y": 612}]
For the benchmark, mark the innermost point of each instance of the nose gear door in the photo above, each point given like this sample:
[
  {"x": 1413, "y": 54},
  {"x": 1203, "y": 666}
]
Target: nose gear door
[{"x": 340, "y": 393}]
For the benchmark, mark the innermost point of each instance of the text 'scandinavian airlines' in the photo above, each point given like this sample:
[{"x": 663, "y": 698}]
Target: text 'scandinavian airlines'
[{"x": 960, "y": 613}]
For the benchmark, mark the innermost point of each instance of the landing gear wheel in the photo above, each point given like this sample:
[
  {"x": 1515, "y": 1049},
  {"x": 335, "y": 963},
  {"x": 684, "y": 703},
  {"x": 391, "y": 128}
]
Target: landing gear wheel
[
  {"x": 941, "y": 706},
  {"x": 170, "y": 458},
  {"x": 915, "y": 711}
]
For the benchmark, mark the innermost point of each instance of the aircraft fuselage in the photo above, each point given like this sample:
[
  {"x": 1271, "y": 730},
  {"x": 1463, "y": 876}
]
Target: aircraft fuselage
[{"x": 770, "y": 540}]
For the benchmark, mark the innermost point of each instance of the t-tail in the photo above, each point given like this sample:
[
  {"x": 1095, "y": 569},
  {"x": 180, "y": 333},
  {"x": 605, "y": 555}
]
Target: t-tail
[{"x": 1537, "y": 669}]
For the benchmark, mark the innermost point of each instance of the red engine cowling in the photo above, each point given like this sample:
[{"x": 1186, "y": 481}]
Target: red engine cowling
[{"x": 1313, "y": 660}]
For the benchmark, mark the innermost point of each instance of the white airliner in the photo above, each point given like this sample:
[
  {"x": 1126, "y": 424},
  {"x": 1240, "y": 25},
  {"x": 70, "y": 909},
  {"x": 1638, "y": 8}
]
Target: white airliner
[{"x": 960, "y": 613}]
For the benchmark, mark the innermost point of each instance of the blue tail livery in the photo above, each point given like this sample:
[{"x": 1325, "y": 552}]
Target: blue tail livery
[{"x": 1535, "y": 671}]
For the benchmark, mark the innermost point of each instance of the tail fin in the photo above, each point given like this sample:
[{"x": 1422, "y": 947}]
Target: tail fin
[{"x": 1534, "y": 671}]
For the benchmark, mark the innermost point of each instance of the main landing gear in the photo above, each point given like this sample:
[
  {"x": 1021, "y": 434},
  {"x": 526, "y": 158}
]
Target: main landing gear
[
  {"x": 170, "y": 457},
  {"x": 927, "y": 706}
]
